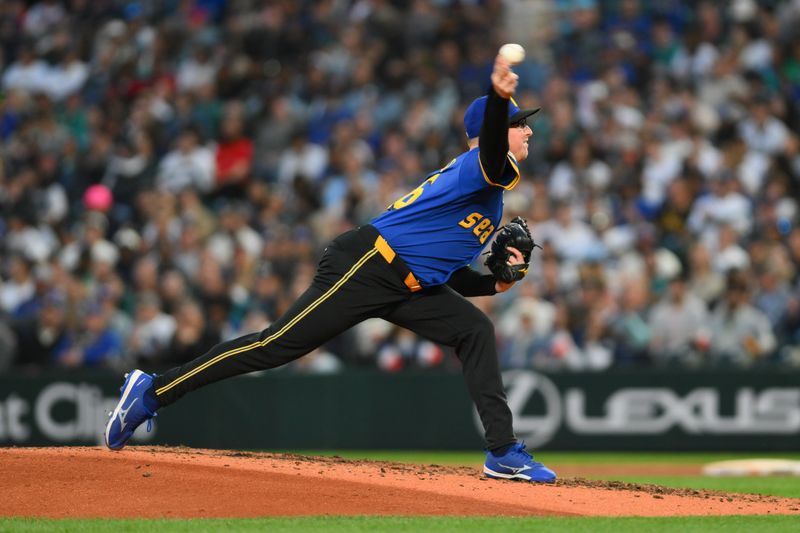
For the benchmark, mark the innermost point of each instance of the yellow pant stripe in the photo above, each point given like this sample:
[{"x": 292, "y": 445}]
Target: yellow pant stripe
[{"x": 275, "y": 335}]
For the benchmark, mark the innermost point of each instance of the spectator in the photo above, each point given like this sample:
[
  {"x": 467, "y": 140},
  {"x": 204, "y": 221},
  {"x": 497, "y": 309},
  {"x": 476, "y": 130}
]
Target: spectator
[
  {"x": 773, "y": 297},
  {"x": 27, "y": 73},
  {"x": 725, "y": 205},
  {"x": 188, "y": 165},
  {"x": 19, "y": 287},
  {"x": 629, "y": 328},
  {"x": 234, "y": 234},
  {"x": 191, "y": 337},
  {"x": 93, "y": 344},
  {"x": 673, "y": 217},
  {"x": 764, "y": 135},
  {"x": 660, "y": 169},
  {"x": 677, "y": 324},
  {"x": 302, "y": 158},
  {"x": 68, "y": 77},
  {"x": 704, "y": 282},
  {"x": 729, "y": 254},
  {"x": 43, "y": 17},
  {"x": 173, "y": 290},
  {"x": 234, "y": 155},
  {"x": 152, "y": 330},
  {"x": 527, "y": 326},
  {"x": 130, "y": 171},
  {"x": 573, "y": 239},
  {"x": 38, "y": 336},
  {"x": 589, "y": 316},
  {"x": 740, "y": 333},
  {"x": 665, "y": 126},
  {"x": 273, "y": 136},
  {"x": 90, "y": 233},
  {"x": 198, "y": 70},
  {"x": 581, "y": 172}
]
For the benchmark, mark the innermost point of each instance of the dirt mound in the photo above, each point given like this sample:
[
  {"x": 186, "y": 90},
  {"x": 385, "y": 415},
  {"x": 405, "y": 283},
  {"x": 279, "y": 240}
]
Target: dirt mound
[{"x": 181, "y": 482}]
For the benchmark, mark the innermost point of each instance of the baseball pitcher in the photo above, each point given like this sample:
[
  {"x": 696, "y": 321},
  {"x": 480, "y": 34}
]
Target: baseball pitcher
[{"x": 409, "y": 266}]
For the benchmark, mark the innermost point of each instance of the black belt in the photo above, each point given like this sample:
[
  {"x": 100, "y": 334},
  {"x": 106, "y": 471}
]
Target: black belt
[{"x": 398, "y": 265}]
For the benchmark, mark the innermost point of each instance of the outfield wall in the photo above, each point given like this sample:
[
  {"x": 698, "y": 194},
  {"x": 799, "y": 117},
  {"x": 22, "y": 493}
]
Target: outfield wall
[{"x": 654, "y": 410}]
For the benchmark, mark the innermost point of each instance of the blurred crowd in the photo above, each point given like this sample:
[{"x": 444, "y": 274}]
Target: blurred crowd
[{"x": 171, "y": 171}]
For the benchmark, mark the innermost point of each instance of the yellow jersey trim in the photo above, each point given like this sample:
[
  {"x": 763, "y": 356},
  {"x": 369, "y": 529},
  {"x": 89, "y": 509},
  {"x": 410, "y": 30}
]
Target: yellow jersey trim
[{"x": 513, "y": 165}]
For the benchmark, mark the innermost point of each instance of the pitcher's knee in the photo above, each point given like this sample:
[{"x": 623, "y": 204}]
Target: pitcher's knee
[{"x": 480, "y": 329}]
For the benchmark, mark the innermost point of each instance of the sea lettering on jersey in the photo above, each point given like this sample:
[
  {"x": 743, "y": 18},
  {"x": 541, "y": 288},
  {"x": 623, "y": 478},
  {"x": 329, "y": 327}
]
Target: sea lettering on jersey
[
  {"x": 444, "y": 224},
  {"x": 483, "y": 229}
]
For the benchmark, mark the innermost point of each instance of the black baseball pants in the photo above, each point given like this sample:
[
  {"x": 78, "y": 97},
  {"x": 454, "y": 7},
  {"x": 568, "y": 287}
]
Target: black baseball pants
[{"x": 356, "y": 281}]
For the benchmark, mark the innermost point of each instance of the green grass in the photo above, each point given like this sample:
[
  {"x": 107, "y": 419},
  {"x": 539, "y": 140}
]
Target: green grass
[{"x": 405, "y": 524}]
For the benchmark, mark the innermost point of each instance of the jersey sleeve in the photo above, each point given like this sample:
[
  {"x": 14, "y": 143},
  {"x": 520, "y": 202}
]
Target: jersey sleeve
[
  {"x": 473, "y": 175},
  {"x": 494, "y": 156}
]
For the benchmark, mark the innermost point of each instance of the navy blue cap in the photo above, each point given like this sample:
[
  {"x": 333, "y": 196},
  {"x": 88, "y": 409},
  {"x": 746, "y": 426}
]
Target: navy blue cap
[{"x": 473, "y": 118}]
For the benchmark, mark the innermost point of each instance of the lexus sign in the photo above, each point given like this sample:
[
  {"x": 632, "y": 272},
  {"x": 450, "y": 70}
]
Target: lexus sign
[{"x": 541, "y": 409}]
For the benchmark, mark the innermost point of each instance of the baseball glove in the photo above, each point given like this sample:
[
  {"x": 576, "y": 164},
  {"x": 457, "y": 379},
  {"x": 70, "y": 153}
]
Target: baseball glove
[{"x": 517, "y": 235}]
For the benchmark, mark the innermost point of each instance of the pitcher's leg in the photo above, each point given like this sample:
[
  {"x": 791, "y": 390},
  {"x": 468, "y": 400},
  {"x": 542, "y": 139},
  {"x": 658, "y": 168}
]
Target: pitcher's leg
[
  {"x": 351, "y": 285},
  {"x": 256, "y": 351},
  {"x": 339, "y": 298},
  {"x": 442, "y": 315}
]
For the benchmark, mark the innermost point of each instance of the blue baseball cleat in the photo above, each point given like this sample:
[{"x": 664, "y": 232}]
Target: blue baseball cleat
[
  {"x": 517, "y": 464},
  {"x": 130, "y": 412}
]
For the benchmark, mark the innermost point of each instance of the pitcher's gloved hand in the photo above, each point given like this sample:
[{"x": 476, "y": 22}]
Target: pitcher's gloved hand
[{"x": 515, "y": 234}]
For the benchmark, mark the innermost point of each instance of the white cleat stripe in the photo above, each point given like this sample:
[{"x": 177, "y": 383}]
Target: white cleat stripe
[{"x": 491, "y": 473}]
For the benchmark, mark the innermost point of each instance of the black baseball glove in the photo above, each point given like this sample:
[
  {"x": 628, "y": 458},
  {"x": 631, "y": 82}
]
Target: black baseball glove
[{"x": 517, "y": 235}]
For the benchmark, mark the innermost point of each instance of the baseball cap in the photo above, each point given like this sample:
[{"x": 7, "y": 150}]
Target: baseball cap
[{"x": 473, "y": 118}]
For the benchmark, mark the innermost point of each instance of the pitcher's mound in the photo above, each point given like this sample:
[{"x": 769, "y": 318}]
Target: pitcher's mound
[{"x": 149, "y": 482}]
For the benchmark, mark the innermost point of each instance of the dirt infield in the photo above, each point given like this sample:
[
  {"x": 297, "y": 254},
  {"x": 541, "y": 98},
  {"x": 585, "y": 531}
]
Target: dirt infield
[{"x": 152, "y": 482}]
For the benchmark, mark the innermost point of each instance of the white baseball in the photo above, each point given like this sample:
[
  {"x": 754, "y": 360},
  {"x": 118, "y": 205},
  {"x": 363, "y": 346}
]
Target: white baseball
[{"x": 513, "y": 53}]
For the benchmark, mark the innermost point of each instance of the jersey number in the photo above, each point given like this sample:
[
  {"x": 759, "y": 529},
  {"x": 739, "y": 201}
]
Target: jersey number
[
  {"x": 411, "y": 197},
  {"x": 483, "y": 226}
]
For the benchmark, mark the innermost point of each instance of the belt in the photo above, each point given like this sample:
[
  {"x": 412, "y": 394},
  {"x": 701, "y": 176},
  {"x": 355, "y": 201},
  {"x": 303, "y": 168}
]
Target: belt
[
  {"x": 396, "y": 263},
  {"x": 391, "y": 257}
]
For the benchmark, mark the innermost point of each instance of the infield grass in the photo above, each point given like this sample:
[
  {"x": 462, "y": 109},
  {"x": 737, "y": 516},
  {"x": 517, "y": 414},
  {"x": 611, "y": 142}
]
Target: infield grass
[{"x": 750, "y": 524}]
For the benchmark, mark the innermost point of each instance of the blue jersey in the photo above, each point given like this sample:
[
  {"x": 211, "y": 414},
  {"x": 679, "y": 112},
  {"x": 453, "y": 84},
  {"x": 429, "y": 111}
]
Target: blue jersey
[{"x": 442, "y": 225}]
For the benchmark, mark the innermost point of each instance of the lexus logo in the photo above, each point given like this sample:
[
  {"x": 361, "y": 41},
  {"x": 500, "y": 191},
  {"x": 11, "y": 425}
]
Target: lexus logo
[{"x": 539, "y": 412}]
